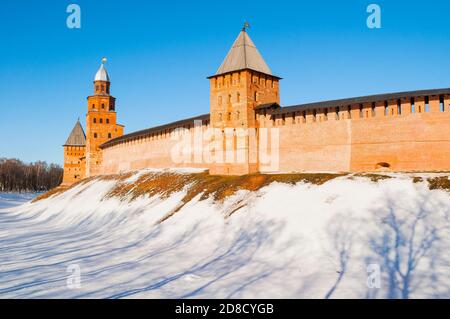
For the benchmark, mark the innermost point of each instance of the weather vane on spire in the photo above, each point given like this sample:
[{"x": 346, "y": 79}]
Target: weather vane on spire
[
  {"x": 246, "y": 26},
  {"x": 104, "y": 59}
]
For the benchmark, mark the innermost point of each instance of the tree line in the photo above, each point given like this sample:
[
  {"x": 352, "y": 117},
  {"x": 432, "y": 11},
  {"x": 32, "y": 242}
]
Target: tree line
[{"x": 17, "y": 176}]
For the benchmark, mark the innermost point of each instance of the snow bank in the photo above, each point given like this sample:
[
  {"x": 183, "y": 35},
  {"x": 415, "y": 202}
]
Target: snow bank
[{"x": 281, "y": 241}]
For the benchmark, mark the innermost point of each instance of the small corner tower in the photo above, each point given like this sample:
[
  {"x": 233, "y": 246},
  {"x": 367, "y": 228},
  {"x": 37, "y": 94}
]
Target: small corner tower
[
  {"x": 101, "y": 124},
  {"x": 243, "y": 82},
  {"x": 75, "y": 156}
]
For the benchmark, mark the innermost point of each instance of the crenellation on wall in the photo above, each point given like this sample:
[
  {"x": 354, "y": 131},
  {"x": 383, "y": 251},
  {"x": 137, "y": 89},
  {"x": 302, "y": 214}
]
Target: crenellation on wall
[{"x": 434, "y": 104}]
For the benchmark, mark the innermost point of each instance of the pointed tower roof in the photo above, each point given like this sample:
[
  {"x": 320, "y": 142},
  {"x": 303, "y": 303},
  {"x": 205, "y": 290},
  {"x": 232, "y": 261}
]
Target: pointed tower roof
[
  {"x": 102, "y": 74},
  {"x": 243, "y": 55},
  {"x": 77, "y": 136}
]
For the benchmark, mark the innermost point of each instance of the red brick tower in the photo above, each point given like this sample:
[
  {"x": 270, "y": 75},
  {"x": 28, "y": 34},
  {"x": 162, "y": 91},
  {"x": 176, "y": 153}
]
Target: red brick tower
[
  {"x": 101, "y": 124},
  {"x": 242, "y": 83}
]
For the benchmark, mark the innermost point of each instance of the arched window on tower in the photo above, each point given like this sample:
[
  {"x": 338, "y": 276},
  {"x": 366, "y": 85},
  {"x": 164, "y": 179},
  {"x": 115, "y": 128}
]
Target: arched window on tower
[
  {"x": 255, "y": 96},
  {"x": 95, "y": 120},
  {"x": 95, "y": 135},
  {"x": 107, "y": 121},
  {"x": 103, "y": 105},
  {"x": 101, "y": 121},
  {"x": 93, "y": 106},
  {"x": 109, "y": 135}
]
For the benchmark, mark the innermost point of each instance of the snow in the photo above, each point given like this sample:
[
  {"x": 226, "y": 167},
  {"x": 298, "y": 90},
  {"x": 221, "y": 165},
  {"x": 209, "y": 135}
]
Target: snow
[
  {"x": 14, "y": 199},
  {"x": 282, "y": 241}
]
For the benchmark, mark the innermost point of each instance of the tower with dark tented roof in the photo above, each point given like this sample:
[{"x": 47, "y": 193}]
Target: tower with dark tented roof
[
  {"x": 242, "y": 83},
  {"x": 75, "y": 155}
]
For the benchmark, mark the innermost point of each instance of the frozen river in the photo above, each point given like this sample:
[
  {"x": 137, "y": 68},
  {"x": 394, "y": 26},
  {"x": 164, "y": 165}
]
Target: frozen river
[{"x": 15, "y": 199}]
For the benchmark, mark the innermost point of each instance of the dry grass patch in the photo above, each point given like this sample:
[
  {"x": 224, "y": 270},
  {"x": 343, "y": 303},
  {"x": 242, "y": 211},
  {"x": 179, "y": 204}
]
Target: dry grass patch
[
  {"x": 217, "y": 187},
  {"x": 441, "y": 182},
  {"x": 417, "y": 179},
  {"x": 53, "y": 191},
  {"x": 61, "y": 189},
  {"x": 373, "y": 177}
]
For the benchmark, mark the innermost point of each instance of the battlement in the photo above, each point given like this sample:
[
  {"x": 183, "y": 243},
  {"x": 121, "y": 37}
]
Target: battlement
[{"x": 365, "y": 107}]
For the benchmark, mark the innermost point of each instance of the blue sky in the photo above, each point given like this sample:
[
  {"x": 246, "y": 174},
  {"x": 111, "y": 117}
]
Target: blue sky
[{"x": 159, "y": 55}]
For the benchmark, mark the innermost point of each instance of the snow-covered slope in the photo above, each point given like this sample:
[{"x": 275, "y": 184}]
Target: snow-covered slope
[{"x": 299, "y": 240}]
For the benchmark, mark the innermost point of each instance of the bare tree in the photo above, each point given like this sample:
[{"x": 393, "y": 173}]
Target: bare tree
[
  {"x": 16, "y": 176},
  {"x": 404, "y": 240},
  {"x": 341, "y": 235}
]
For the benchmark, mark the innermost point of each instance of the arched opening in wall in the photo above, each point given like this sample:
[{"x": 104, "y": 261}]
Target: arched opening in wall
[{"x": 383, "y": 166}]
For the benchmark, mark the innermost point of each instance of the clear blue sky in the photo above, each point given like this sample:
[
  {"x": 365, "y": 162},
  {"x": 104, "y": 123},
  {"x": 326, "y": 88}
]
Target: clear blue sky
[{"x": 160, "y": 53}]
